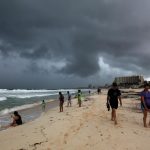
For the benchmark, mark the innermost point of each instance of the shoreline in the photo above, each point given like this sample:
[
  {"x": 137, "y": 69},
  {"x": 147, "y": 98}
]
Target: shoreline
[
  {"x": 88, "y": 127},
  {"x": 29, "y": 114},
  {"x": 34, "y": 112}
]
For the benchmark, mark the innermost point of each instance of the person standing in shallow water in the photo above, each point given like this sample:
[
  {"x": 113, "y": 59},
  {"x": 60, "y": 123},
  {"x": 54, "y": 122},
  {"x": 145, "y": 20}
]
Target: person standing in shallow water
[
  {"x": 112, "y": 98},
  {"x": 79, "y": 97},
  {"x": 89, "y": 92},
  {"x": 61, "y": 101},
  {"x": 69, "y": 99},
  {"x": 43, "y": 106},
  {"x": 145, "y": 103}
]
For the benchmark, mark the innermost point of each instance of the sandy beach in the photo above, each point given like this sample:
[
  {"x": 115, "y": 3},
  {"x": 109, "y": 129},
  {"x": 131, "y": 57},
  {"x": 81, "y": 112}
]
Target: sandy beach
[{"x": 85, "y": 128}]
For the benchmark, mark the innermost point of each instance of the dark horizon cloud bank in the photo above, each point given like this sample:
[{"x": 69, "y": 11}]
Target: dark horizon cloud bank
[{"x": 67, "y": 43}]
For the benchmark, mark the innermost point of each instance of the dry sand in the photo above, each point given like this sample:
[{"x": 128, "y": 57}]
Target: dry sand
[{"x": 85, "y": 128}]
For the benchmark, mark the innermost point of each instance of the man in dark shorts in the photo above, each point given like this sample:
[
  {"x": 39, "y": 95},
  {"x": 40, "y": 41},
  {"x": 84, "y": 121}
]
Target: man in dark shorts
[
  {"x": 61, "y": 101},
  {"x": 112, "y": 98}
]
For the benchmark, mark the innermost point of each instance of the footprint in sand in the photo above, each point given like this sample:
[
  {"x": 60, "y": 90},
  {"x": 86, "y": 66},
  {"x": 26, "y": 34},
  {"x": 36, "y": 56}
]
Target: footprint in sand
[
  {"x": 135, "y": 132},
  {"x": 78, "y": 128},
  {"x": 67, "y": 113},
  {"x": 122, "y": 132},
  {"x": 89, "y": 137},
  {"x": 66, "y": 135},
  {"x": 118, "y": 125},
  {"x": 81, "y": 124}
]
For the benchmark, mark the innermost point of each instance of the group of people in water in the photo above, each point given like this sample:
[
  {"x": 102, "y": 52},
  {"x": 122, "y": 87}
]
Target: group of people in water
[{"x": 113, "y": 99}]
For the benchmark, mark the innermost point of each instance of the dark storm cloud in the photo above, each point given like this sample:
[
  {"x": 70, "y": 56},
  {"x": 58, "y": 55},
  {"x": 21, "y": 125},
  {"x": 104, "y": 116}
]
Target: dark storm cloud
[
  {"x": 77, "y": 33},
  {"x": 40, "y": 52}
]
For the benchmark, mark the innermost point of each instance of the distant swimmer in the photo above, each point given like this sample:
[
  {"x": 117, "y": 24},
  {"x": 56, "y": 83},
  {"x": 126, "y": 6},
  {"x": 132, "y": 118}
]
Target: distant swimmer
[
  {"x": 145, "y": 103},
  {"x": 61, "y": 101},
  {"x": 69, "y": 99},
  {"x": 112, "y": 98},
  {"x": 79, "y": 97},
  {"x": 17, "y": 120},
  {"x": 43, "y": 105}
]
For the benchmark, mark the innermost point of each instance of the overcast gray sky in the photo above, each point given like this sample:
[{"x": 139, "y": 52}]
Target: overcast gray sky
[{"x": 71, "y": 43}]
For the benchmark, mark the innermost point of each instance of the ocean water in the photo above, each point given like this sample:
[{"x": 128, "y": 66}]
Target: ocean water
[{"x": 22, "y": 99}]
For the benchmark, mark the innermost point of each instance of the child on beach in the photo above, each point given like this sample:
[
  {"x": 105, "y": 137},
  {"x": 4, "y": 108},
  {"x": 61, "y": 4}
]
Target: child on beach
[
  {"x": 61, "y": 101},
  {"x": 112, "y": 98},
  {"x": 43, "y": 106},
  {"x": 79, "y": 97},
  {"x": 145, "y": 103},
  {"x": 69, "y": 99}
]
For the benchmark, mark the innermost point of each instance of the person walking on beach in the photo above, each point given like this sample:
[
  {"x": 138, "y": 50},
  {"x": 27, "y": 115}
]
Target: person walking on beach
[
  {"x": 69, "y": 99},
  {"x": 112, "y": 98},
  {"x": 61, "y": 101},
  {"x": 43, "y": 105},
  {"x": 79, "y": 97},
  {"x": 145, "y": 103}
]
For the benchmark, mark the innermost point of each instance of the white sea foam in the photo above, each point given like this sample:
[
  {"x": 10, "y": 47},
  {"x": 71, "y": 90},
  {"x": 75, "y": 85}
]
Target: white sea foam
[
  {"x": 17, "y": 108},
  {"x": 3, "y": 98},
  {"x": 32, "y": 91},
  {"x": 22, "y": 93},
  {"x": 31, "y": 95}
]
